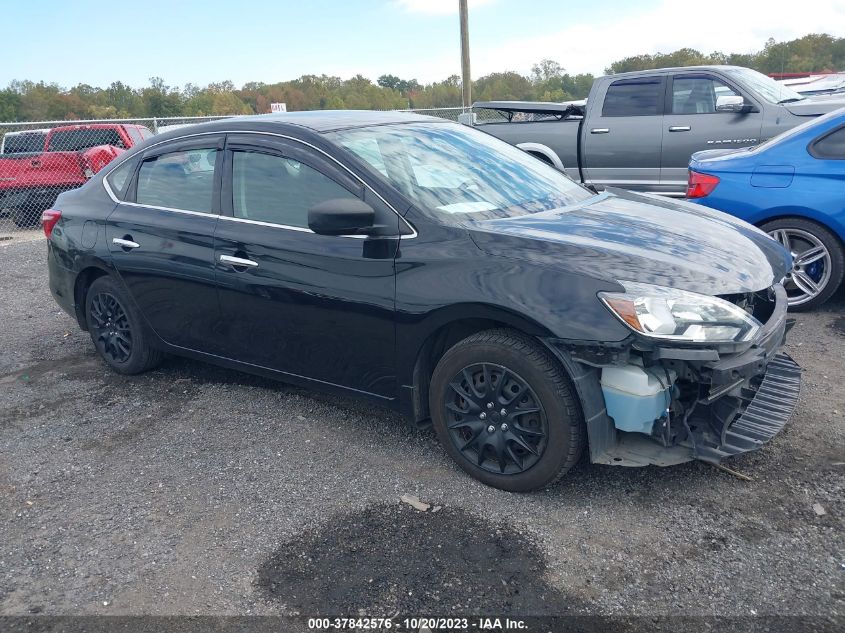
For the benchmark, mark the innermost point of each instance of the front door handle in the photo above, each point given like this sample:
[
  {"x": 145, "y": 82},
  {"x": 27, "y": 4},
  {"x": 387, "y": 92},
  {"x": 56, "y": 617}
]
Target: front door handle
[
  {"x": 237, "y": 262},
  {"x": 125, "y": 243},
  {"x": 600, "y": 130},
  {"x": 680, "y": 128}
]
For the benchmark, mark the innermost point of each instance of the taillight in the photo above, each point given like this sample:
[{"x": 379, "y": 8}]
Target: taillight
[
  {"x": 49, "y": 218},
  {"x": 700, "y": 185}
]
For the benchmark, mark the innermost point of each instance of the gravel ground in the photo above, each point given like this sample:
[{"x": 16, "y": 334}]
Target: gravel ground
[{"x": 198, "y": 490}]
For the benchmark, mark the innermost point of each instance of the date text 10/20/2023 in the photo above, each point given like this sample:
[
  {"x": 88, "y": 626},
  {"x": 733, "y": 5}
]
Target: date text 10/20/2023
[{"x": 418, "y": 624}]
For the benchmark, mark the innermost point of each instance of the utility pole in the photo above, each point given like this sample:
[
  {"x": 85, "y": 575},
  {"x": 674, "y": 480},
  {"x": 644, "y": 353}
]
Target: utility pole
[{"x": 466, "y": 80}]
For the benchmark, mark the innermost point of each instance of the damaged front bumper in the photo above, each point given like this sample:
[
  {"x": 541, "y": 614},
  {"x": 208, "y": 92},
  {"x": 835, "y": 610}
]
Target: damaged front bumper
[{"x": 723, "y": 401}]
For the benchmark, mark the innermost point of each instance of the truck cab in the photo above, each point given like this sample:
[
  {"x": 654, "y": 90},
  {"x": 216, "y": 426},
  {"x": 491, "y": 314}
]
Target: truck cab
[{"x": 638, "y": 130}]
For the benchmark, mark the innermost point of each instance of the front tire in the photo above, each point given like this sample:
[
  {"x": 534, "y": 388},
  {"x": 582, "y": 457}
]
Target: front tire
[
  {"x": 116, "y": 329},
  {"x": 506, "y": 412},
  {"x": 819, "y": 261}
]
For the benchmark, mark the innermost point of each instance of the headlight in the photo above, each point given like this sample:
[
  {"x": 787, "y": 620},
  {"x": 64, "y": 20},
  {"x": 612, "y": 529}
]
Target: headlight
[{"x": 664, "y": 313}]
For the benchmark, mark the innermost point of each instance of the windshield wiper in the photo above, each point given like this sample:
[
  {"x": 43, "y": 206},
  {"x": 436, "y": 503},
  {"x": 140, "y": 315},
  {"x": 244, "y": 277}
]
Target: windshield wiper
[{"x": 791, "y": 100}]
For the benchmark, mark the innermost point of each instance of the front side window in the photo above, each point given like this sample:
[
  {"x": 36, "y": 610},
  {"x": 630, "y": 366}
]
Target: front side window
[
  {"x": 178, "y": 180},
  {"x": 279, "y": 190},
  {"x": 697, "y": 95},
  {"x": 634, "y": 97},
  {"x": 830, "y": 146},
  {"x": 458, "y": 173}
]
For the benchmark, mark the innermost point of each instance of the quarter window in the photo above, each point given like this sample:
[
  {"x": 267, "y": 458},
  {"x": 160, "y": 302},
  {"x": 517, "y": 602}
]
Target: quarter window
[
  {"x": 634, "y": 97},
  {"x": 120, "y": 177},
  {"x": 697, "y": 95},
  {"x": 831, "y": 146},
  {"x": 178, "y": 180},
  {"x": 271, "y": 188}
]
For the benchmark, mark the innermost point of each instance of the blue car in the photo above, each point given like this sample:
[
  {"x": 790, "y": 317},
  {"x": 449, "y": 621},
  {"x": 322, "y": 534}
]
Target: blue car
[{"x": 792, "y": 187}]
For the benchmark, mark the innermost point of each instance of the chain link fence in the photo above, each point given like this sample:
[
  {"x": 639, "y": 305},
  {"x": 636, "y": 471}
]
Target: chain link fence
[{"x": 39, "y": 160}]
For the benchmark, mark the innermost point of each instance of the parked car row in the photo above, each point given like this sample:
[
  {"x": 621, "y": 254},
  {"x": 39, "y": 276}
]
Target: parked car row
[
  {"x": 440, "y": 272},
  {"x": 792, "y": 187},
  {"x": 37, "y": 165},
  {"x": 759, "y": 151},
  {"x": 638, "y": 130}
]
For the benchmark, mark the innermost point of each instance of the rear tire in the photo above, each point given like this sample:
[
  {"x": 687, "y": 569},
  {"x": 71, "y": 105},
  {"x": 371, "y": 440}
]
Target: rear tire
[
  {"x": 506, "y": 412},
  {"x": 117, "y": 330},
  {"x": 800, "y": 235}
]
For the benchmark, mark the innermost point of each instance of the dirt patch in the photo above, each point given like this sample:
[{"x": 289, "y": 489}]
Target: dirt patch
[
  {"x": 838, "y": 325},
  {"x": 394, "y": 558}
]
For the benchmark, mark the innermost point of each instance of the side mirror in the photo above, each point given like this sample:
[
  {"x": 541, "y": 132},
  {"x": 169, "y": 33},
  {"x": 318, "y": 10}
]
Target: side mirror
[
  {"x": 730, "y": 103},
  {"x": 341, "y": 216}
]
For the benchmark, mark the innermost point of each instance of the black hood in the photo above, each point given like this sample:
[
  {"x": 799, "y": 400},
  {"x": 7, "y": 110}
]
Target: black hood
[{"x": 619, "y": 235}]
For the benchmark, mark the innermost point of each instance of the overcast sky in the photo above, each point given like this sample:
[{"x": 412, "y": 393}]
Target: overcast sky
[{"x": 201, "y": 41}]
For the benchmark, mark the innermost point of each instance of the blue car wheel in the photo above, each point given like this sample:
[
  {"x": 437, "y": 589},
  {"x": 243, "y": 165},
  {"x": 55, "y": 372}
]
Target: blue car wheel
[{"x": 818, "y": 261}]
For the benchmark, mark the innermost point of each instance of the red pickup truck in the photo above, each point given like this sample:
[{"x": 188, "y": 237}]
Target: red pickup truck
[{"x": 30, "y": 182}]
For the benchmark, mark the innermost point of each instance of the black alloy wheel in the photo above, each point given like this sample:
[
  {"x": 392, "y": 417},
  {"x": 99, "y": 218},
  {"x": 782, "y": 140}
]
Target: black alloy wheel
[
  {"x": 495, "y": 419},
  {"x": 506, "y": 411},
  {"x": 116, "y": 328},
  {"x": 111, "y": 330}
]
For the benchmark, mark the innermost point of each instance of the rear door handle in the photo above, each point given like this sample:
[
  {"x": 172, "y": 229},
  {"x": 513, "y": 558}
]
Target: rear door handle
[
  {"x": 600, "y": 130},
  {"x": 679, "y": 128},
  {"x": 236, "y": 262},
  {"x": 123, "y": 243}
]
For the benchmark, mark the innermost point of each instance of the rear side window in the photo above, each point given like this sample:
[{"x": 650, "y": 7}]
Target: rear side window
[
  {"x": 83, "y": 138},
  {"x": 145, "y": 132},
  {"x": 634, "y": 97},
  {"x": 178, "y": 180},
  {"x": 831, "y": 146},
  {"x": 119, "y": 178},
  {"x": 279, "y": 190}
]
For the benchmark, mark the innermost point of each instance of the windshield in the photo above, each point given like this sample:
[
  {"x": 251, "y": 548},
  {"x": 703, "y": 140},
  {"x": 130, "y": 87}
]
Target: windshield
[
  {"x": 460, "y": 173},
  {"x": 766, "y": 87}
]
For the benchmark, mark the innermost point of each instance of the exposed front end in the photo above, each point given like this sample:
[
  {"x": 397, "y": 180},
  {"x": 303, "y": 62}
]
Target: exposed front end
[{"x": 658, "y": 401}]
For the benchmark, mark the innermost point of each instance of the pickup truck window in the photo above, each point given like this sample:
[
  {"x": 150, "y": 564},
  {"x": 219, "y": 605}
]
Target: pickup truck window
[
  {"x": 179, "y": 180},
  {"x": 456, "y": 172},
  {"x": 24, "y": 143},
  {"x": 697, "y": 95},
  {"x": 83, "y": 138},
  {"x": 634, "y": 97}
]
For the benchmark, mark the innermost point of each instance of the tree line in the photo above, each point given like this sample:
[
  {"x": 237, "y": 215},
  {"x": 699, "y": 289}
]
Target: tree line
[{"x": 548, "y": 81}]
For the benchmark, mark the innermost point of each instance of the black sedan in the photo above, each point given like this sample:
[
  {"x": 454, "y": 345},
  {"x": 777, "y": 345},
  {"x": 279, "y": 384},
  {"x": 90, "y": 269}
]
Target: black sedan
[{"x": 439, "y": 271}]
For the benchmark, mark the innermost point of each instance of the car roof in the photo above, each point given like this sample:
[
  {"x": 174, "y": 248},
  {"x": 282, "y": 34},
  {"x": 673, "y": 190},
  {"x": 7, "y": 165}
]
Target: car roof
[
  {"x": 330, "y": 120},
  {"x": 676, "y": 69}
]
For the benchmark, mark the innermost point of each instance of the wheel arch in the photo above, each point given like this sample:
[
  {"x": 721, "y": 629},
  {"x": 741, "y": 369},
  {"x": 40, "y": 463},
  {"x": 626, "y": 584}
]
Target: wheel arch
[
  {"x": 544, "y": 153},
  {"x": 802, "y": 213},
  {"x": 91, "y": 271},
  {"x": 447, "y": 327}
]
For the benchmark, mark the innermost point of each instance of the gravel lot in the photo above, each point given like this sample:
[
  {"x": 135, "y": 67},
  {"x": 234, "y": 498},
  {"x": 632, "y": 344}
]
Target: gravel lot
[{"x": 198, "y": 490}]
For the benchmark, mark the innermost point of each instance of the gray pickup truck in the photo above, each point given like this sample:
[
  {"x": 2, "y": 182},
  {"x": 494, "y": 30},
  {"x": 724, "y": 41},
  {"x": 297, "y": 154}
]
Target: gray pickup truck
[{"x": 638, "y": 130}]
